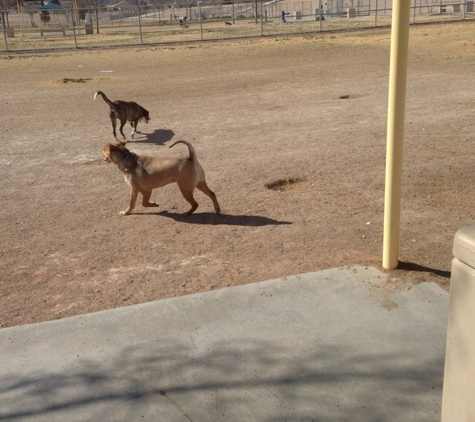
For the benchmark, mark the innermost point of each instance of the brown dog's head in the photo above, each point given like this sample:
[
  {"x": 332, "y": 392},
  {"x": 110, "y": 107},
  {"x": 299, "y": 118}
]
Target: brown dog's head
[
  {"x": 145, "y": 116},
  {"x": 114, "y": 152}
]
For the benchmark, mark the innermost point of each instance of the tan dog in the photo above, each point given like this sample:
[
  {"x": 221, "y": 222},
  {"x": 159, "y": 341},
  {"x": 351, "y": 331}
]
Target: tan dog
[{"x": 145, "y": 173}]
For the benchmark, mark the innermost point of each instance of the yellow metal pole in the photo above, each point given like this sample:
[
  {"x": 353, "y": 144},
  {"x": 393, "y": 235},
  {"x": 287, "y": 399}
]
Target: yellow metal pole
[{"x": 395, "y": 131}]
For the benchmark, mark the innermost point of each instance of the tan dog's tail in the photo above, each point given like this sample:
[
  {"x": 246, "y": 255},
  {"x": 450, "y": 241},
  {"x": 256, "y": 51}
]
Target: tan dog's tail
[
  {"x": 104, "y": 97},
  {"x": 190, "y": 148}
]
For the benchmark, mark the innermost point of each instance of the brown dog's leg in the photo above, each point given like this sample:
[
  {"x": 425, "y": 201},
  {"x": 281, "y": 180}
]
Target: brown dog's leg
[
  {"x": 145, "y": 200},
  {"x": 122, "y": 124},
  {"x": 134, "y": 128},
  {"x": 114, "y": 125},
  {"x": 203, "y": 187},
  {"x": 133, "y": 199}
]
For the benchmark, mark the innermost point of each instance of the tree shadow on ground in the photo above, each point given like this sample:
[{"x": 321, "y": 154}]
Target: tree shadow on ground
[{"x": 177, "y": 377}]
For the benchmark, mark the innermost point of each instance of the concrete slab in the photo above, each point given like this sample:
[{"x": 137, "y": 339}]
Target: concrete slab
[{"x": 327, "y": 346}]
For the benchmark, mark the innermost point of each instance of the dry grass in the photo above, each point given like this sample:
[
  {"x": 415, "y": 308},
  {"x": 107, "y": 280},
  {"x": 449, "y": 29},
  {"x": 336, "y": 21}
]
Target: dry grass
[{"x": 166, "y": 32}]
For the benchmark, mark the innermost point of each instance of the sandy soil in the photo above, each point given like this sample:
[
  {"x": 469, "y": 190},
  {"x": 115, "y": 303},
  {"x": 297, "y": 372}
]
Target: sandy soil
[{"x": 292, "y": 135}]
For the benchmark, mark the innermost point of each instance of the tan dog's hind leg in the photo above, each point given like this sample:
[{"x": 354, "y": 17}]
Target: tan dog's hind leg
[
  {"x": 133, "y": 199},
  {"x": 188, "y": 195},
  {"x": 145, "y": 200},
  {"x": 203, "y": 187}
]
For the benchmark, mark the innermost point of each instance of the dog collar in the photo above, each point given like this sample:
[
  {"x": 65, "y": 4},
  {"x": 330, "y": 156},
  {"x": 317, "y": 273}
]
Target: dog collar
[{"x": 124, "y": 167}]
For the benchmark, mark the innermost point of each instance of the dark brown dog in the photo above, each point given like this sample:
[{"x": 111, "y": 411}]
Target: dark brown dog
[
  {"x": 125, "y": 111},
  {"x": 144, "y": 173}
]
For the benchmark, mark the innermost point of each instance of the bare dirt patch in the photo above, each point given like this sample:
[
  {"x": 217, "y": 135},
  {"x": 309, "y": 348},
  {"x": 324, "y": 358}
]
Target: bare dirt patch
[
  {"x": 285, "y": 184},
  {"x": 291, "y": 132}
]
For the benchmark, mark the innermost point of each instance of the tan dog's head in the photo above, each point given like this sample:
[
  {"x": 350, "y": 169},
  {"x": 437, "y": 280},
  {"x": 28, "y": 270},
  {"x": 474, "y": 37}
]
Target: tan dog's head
[{"x": 114, "y": 152}]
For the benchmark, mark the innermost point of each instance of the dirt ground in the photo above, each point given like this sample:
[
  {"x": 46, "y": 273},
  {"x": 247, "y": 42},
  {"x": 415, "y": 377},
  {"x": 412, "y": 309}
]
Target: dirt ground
[{"x": 292, "y": 135}]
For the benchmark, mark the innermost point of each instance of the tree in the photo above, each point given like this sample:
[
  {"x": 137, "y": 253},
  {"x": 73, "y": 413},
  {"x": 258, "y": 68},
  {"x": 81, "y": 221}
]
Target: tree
[
  {"x": 31, "y": 7},
  {"x": 44, "y": 16},
  {"x": 159, "y": 5},
  {"x": 7, "y": 5},
  {"x": 91, "y": 5}
]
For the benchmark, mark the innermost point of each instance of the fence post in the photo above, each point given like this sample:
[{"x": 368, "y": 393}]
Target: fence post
[
  {"x": 376, "y": 15},
  {"x": 320, "y": 7},
  {"x": 4, "y": 32},
  {"x": 262, "y": 25},
  {"x": 96, "y": 12},
  {"x": 201, "y": 23},
  {"x": 140, "y": 24},
  {"x": 74, "y": 30}
]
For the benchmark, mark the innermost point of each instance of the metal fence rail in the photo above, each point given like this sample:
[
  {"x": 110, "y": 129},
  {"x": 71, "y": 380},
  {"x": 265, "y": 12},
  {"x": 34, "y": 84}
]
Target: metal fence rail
[{"x": 39, "y": 28}]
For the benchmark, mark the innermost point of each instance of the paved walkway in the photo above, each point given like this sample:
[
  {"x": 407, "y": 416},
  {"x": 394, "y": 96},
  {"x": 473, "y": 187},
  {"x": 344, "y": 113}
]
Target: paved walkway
[{"x": 329, "y": 346}]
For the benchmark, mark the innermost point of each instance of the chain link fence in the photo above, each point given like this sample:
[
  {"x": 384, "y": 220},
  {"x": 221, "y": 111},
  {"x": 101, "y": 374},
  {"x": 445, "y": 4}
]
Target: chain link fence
[{"x": 59, "y": 27}]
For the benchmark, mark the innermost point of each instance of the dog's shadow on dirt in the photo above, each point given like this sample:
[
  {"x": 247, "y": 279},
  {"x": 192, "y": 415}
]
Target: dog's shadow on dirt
[
  {"x": 157, "y": 137},
  {"x": 222, "y": 219}
]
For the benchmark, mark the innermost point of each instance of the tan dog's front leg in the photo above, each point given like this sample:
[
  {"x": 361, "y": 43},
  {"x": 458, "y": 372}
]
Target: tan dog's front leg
[
  {"x": 133, "y": 199},
  {"x": 146, "y": 198}
]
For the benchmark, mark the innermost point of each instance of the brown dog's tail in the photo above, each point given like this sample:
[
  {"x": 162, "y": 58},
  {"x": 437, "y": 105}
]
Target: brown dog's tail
[
  {"x": 191, "y": 149},
  {"x": 104, "y": 97}
]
